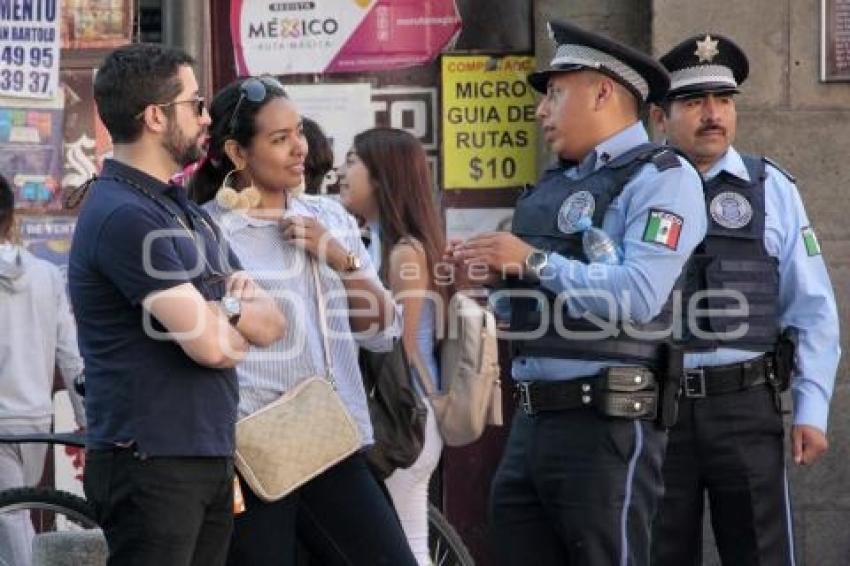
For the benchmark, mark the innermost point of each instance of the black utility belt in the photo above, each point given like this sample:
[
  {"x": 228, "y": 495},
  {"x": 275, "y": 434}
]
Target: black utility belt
[
  {"x": 720, "y": 380},
  {"x": 629, "y": 392}
]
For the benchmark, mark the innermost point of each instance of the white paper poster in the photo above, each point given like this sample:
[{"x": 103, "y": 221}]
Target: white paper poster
[
  {"x": 342, "y": 110},
  {"x": 29, "y": 48}
]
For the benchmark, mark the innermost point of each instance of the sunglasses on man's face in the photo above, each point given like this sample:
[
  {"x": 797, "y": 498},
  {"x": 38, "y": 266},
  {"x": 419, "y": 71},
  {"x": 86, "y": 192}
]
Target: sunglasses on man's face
[
  {"x": 199, "y": 102},
  {"x": 253, "y": 90}
]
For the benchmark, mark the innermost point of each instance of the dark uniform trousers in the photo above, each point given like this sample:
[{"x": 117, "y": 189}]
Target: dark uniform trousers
[
  {"x": 577, "y": 488},
  {"x": 732, "y": 447}
]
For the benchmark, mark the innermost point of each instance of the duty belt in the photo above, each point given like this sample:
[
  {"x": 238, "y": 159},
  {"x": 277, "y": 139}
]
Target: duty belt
[
  {"x": 719, "y": 380},
  {"x": 624, "y": 392}
]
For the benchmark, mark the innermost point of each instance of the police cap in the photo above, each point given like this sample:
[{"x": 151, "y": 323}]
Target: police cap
[
  {"x": 705, "y": 63},
  {"x": 580, "y": 49}
]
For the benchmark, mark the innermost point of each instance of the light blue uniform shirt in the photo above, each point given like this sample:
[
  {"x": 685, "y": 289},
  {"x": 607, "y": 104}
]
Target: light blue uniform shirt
[
  {"x": 806, "y": 301},
  {"x": 640, "y": 286}
]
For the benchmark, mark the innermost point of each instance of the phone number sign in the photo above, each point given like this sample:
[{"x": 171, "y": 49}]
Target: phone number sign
[{"x": 29, "y": 48}]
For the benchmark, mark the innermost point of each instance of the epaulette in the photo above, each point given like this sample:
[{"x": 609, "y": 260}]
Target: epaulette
[
  {"x": 665, "y": 159},
  {"x": 776, "y": 166}
]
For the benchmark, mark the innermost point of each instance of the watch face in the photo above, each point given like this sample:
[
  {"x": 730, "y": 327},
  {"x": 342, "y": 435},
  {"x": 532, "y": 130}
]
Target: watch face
[
  {"x": 231, "y": 305},
  {"x": 536, "y": 259}
]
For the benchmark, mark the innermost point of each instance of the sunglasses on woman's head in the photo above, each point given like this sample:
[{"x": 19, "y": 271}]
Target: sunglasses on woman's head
[{"x": 253, "y": 90}]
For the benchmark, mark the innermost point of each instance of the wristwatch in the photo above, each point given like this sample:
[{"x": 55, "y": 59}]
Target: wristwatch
[
  {"x": 232, "y": 308},
  {"x": 352, "y": 263},
  {"x": 536, "y": 261}
]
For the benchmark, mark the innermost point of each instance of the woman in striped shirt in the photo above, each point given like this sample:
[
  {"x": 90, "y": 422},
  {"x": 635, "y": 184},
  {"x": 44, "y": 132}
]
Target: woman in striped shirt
[{"x": 250, "y": 184}]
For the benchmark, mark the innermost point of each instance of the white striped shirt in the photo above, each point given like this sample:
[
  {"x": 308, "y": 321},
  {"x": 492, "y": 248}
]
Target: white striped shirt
[{"x": 283, "y": 271}]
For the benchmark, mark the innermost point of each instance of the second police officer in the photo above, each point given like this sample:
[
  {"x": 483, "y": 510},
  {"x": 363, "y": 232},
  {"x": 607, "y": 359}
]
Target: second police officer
[
  {"x": 760, "y": 268},
  {"x": 581, "y": 475}
]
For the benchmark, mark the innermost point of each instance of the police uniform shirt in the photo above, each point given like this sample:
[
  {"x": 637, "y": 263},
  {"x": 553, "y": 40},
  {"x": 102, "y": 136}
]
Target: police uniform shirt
[
  {"x": 806, "y": 301},
  {"x": 640, "y": 286}
]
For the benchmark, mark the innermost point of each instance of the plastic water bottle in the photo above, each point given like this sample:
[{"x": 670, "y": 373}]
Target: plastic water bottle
[{"x": 598, "y": 246}]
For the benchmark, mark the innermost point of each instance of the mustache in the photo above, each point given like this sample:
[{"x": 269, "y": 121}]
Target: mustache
[{"x": 711, "y": 128}]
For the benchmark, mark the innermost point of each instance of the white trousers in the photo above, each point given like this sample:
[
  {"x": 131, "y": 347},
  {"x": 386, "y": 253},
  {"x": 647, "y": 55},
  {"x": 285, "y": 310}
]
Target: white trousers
[
  {"x": 409, "y": 490},
  {"x": 21, "y": 465}
]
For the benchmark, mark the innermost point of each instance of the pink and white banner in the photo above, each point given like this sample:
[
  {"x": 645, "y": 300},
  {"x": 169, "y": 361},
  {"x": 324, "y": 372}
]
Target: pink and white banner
[{"x": 339, "y": 36}]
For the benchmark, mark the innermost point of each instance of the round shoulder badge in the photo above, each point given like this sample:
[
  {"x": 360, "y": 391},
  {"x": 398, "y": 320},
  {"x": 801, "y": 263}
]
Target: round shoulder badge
[
  {"x": 731, "y": 210},
  {"x": 574, "y": 208}
]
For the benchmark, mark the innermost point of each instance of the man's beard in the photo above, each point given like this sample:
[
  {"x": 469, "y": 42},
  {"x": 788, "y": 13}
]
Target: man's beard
[{"x": 182, "y": 150}]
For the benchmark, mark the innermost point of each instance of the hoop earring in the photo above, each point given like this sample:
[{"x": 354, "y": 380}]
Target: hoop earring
[{"x": 229, "y": 198}]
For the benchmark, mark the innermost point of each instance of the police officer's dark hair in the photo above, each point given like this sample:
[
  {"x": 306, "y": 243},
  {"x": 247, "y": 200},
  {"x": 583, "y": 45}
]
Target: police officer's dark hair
[
  {"x": 130, "y": 79},
  {"x": 320, "y": 156},
  {"x": 209, "y": 176},
  {"x": 7, "y": 208}
]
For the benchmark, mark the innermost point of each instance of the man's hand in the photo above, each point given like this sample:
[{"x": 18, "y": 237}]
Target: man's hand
[
  {"x": 501, "y": 252},
  {"x": 807, "y": 444},
  {"x": 467, "y": 275}
]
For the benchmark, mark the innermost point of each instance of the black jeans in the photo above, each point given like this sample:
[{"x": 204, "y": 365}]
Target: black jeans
[
  {"x": 577, "y": 488},
  {"x": 730, "y": 447},
  {"x": 341, "y": 517},
  {"x": 161, "y": 511}
]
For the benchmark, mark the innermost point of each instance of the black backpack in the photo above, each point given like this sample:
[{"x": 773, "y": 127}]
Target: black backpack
[{"x": 397, "y": 411}]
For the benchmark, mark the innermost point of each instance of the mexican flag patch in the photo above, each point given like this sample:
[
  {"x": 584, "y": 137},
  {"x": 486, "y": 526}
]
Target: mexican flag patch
[
  {"x": 810, "y": 241},
  {"x": 663, "y": 228}
]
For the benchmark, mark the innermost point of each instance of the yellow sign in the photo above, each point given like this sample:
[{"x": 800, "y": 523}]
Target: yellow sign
[{"x": 489, "y": 129}]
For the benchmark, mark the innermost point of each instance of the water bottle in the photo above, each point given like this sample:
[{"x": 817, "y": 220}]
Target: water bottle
[{"x": 598, "y": 246}]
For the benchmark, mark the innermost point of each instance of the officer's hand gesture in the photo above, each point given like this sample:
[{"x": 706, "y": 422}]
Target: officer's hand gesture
[
  {"x": 502, "y": 252},
  {"x": 467, "y": 275},
  {"x": 808, "y": 444}
]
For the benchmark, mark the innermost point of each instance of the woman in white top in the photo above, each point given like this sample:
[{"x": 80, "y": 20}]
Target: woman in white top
[
  {"x": 388, "y": 183},
  {"x": 250, "y": 182}
]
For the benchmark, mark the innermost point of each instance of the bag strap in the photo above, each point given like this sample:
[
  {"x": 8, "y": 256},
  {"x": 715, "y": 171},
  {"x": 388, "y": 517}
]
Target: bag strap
[
  {"x": 425, "y": 381},
  {"x": 323, "y": 321}
]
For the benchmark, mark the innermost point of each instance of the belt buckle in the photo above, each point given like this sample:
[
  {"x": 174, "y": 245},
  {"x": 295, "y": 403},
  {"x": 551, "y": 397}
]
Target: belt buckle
[
  {"x": 525, "y": 397},
  {"x": 694, "y": 383}
]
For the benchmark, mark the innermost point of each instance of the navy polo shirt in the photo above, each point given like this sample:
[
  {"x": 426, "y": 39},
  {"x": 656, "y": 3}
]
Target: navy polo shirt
[{"x": 141, "y": 388}]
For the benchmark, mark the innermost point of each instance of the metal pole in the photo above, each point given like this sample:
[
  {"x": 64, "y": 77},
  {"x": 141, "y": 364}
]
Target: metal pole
[{"x": 186, "y": 24}]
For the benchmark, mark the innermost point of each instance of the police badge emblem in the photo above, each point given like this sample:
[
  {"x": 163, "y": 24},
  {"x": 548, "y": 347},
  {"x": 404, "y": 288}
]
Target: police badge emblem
[
  {"x": 731, "y": 210},
  {"x": 575, "y": 207}
]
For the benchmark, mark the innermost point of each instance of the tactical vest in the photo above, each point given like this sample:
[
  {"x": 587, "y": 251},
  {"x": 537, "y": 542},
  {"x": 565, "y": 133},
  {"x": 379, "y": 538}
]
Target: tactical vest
[
  {"x": 733, "y": 258},
  {"x": 543, "y": 218}
]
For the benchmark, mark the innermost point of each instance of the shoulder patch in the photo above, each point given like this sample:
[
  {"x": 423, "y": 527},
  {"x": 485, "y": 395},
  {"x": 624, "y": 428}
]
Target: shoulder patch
[
  {"x": 776, "y": 166},
  {"x": 666, "y": 159},
  {"x": 810, "y": 241},
  {"x": 663, "y": 228}
]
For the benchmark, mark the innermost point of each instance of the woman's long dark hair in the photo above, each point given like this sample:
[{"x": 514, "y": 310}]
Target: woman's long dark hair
[
  {"x": 209, "y": 176},
  {"x": 320, "y": 156},
  {"x": 399, "y": 173}
]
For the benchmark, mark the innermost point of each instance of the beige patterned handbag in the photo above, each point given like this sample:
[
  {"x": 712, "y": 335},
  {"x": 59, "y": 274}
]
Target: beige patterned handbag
[{"x": 294, "y": 439}]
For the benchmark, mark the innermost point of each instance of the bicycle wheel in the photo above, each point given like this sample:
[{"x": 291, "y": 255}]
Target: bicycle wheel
[
  {"x": 445, "y": 546},
  {"x": 49, "y": 509}
]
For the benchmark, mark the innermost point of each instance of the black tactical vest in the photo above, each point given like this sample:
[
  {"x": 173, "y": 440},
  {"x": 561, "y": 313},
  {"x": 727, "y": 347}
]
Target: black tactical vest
[
  {"x": 557, "y": 200},
  {"x": 733, "y": 258}
]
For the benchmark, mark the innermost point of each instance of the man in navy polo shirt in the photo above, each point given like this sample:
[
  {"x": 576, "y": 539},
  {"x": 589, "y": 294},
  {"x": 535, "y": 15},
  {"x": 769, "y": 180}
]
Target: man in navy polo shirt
[{"x": 164, "y": 314}]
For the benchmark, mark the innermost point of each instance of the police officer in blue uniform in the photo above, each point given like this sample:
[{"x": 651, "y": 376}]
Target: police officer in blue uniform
[
  {"x": 760, "y": 253},
  {"x": 581, "y": 475}
]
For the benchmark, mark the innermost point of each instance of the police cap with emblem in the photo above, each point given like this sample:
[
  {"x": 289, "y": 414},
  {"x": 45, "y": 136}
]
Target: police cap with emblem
[
  {"x": 705, "y": 63},
  {"x": 578, "y": 49}
]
